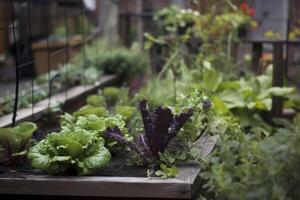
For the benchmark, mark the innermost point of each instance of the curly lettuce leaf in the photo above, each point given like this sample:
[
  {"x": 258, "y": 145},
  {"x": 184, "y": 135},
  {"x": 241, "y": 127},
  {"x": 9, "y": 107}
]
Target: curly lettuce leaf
[
  {"x": 70, "y": 149},
  {"x": 126, "y": 111},
  {"x": 91, "y": 123},
  {"x": 88, "y": 110}
]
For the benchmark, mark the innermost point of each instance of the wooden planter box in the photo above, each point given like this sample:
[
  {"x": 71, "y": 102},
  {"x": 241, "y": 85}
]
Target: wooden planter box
[
  {"x": 185, "y": 186},
  {"x": 57, "y": 53}
]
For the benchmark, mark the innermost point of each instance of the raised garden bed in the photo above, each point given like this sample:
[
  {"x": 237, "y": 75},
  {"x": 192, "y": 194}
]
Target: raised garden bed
[
  {"x": 184, "y": 186},
  {"x": 67, "y": 97}
]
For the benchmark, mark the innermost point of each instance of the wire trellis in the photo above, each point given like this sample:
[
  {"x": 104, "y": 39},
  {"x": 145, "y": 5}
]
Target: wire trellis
[{"x": 47, "y": 20}]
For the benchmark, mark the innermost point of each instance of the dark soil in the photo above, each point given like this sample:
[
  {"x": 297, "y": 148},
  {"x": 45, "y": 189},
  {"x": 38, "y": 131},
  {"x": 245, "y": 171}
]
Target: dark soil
[{"x": 119, "y": 166}]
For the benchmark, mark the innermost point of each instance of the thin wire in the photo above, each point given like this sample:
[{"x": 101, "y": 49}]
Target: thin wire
[
  {"x": 17, "y": 70},
  {"x": 52, "y": 16},
  {"x": 84, "y": 44},
  {"x": 48, "y": 56},
  {"x": 67, "y": 46},
  {"x": 29, "y": 38}
]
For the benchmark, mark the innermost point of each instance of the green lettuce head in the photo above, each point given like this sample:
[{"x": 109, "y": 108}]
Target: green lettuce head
[
  {"x": 96, "y": 100},
  {"x": 91, "y": 110},
  {"x": 14, "y": 141},
  {"x": 77, "y": 150}
]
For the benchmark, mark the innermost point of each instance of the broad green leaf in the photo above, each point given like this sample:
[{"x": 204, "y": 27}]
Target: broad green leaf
[
  {"x": 218, "y": 105},
  {"x": 232, "y": 85},
  {"x": 232, "y": 99},
  {"x": 265, "y": 104},
  {"x": 211, "y": 79},
  {"x": 276, "y": 91}
]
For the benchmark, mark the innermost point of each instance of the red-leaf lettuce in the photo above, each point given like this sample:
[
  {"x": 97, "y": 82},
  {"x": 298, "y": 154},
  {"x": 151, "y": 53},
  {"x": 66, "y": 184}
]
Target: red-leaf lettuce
[{"x": 160, "y": 125}]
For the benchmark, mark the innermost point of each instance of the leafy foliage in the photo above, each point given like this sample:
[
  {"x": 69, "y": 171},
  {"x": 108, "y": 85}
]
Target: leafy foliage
[{"x": 246, "y": 166}]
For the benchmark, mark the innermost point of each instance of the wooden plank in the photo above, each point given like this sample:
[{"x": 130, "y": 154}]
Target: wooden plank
[
  {"x": 278, "y": 76},
  {"x": 257, "y": 50},
  {"x": 58, "y": 43},
  {"x": 190, "y": 173},
  {"x": 64, "y": 97},
  {"x": 95, "y": 186}
]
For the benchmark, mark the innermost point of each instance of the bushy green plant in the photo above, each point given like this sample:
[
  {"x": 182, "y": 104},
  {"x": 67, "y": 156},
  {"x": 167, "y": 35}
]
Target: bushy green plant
[
  {"x": 126, "y": 63},
  {"x": 249, "y": 166}
]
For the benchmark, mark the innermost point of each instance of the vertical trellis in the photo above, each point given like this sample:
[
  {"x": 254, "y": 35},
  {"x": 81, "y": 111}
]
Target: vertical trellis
[
  {"x": 16, "y": 68},
  {"x": 36, "y": 49},
  {"x": 84, "y": 42},
  {"x": 30, "y": 42}
]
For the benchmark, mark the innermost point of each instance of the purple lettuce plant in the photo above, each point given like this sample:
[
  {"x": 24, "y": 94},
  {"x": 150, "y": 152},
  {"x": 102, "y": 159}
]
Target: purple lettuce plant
[{"x": 160, "y": 125}]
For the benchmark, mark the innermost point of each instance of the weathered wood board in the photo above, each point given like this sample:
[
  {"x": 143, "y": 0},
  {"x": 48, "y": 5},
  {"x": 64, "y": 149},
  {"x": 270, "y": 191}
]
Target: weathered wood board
[{"x": 184, "y": 186}]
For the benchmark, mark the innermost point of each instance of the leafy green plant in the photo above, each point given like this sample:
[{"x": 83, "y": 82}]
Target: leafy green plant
[
  {"x": 176, "y": 20},
  {"x": 76, "y": 151},
  {"x": 96, "y": 100},
  {"x": 14, "y": 142},
  {"x": 111, "y": 95}
]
